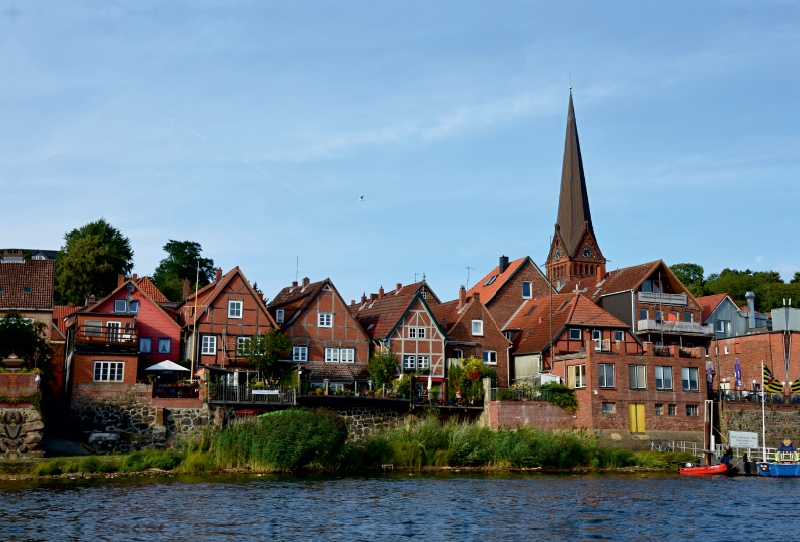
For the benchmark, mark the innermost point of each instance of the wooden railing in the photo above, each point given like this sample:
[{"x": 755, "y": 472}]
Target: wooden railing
[{"x": 106, "y": 335}]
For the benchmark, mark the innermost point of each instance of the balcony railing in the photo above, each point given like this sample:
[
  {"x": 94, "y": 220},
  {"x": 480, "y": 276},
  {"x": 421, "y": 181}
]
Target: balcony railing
[
  {"x": 105, "y": 335},
  {"x": 602, "y": 345},
  {"x": 654, "y": 298},
  {"x": 755, "y": 397},
  {"x": 247, "y": 394},
  {"x": 657, "y": 326},
  {"x": 176, "y": 391}
]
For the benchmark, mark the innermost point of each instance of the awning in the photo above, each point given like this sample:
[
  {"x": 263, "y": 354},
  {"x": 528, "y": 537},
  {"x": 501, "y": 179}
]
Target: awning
[{"x": 167, "y": 366}]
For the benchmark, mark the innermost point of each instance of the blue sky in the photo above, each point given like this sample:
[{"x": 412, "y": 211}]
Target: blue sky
[{"x": 254, "y": 127}]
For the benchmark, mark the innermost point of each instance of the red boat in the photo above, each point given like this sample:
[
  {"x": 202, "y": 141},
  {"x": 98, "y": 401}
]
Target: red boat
[{"x": 722, "y": 468}]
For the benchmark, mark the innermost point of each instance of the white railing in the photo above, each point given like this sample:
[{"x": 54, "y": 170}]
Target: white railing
[
  {"x": 663, "y": 299},
  {"x": 673, "y": 327},
  {"x": 753, "y": 454}
]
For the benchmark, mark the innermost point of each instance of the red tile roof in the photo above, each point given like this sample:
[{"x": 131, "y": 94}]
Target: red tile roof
[
  {"x": 60, "y": 312},
  {"x": 709, "y": 303},
  {"x": 379, "y": 317},
  {"x": 148, "y": 287},
  {"x": 17, "y": 278},
  {"x": 293, "y": 294},
  {"x": 487, "y": 290},
  {"x": 447, "y": 314},
  {"x": 207, "y": 294},
  {"x": 336, "y": 372}
]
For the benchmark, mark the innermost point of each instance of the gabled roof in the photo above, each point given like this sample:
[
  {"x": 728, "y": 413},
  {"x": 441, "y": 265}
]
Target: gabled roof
[
  {"x": 151, "y": 290},
  {"x": 532, "y": 319},
  {"x": 148, "y": 283},
  {"x": 449, "y": 315},
  {"x": 380, "y": 317},
  {"x": 27, "y": 286},
  {"x": 709, "y": 304},
  {"x": 414, "y": 288},
  {"x": 60, "y": 312},
  {"x": 489, "y": 285},
  {"x": 292, "y": 294}
]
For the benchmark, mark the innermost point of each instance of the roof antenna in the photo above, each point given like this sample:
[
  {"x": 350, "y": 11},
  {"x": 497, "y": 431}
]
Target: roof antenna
[
  {"x": 297, "y": 269},
  {"x": 468, "y": 268}
]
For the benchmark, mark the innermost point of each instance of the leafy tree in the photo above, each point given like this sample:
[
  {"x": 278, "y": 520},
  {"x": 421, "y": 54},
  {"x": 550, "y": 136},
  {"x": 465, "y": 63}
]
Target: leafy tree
[
  {"x": 769, "y": 288},
  {"x": 264, "y": 351},
  {"x": 90, "y": 260},
  {"x": 26, "y": 339},
  {"x": 382, "y": 367},
  {"x": 795, "y": 278},
  {"x": 181, "y": 264},
  {"x": 691, "y": 275}
]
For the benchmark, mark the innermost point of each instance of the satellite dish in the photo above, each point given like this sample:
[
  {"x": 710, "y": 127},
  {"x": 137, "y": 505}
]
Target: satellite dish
[
  {"x": 131, "y": 287},
  {"x": 129, "y": 298}
]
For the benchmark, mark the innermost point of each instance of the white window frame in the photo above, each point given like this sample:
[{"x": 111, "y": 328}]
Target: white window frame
[
  {"x": 477, "y": 325},
  {"x": 409, "y": 363},
  {"x": 124, "y": 306},
  {"x": 490, "y": 357},
  {"x": 133, "y": 307},
  {"x": 726, "y": 350},
  {"x": 619, "y": 336},
  {"x": 686, "y": 379},
  {"x": 149, "y": 345},
  {"x": 113, "y": 331},
  {"x": 241, "y": 344},
  {"x": 597, "y": 334},
  {"x": 412, "y": 333},
  {"x": 331, "y": 355},
  {"x": 575, "y": 334},
  {"x": 108, "y": 369},
  {"x": 423, "y": 362},
  {"x": 235, "y": 308},
  {"x": 279, "y": 314},
  {"x": 93, "y": 328},
  {"x": 661, "y": 372},
  {"x": 688, "y": 317},
  {"x": 300, "y": 353},
  {"x": 347, "y": 355},
  {"x": 720, "y": 326},
  {"x": 420, "y": 333},
  {"x": 458, "y": 353},
  {"x": 691, "y": 410},
  {"x": 640, "y": 375},
  {"x": 169, "y": 345},
  {"x": 530, "y": 289},
  {"x": 576, "y": 376},
  {"x": 603, "y": 380},
  {"x": 325, "y": 319},
  {"x": 208, "y": 345}
]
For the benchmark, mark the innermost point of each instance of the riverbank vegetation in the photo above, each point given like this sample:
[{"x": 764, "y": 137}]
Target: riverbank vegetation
[{"x": 316, "y": 441}]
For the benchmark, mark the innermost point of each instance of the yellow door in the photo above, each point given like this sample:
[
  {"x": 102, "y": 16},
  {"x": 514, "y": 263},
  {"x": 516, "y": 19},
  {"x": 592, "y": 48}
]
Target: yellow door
[{"x": 636, "y": 417}]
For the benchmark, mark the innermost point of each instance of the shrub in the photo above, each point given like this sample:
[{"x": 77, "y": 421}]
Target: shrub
[
  {"x": 560, "y": 395},
  {"x": 89, "y": 464},
  {"x": 150, "y": 459},
  {"x": 49, "y": 468},
  {"x": 505, "y": 395}
]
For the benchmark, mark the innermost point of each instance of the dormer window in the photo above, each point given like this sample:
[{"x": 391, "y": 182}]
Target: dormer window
[
  {"x": 279, "y": 315},
  {"x": 120, "y": 305}
]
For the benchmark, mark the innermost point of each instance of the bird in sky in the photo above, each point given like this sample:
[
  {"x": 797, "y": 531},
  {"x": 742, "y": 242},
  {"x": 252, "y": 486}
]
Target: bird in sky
[{"x": 361, "y": 198}]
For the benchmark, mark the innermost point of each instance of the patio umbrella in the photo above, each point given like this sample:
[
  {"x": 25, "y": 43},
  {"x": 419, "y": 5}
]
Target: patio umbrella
[
  {"x": 167, "y": 365},
  {"x": 737, "y": 371}
]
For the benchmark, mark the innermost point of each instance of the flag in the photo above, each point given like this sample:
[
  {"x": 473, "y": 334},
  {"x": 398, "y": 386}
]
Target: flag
[
  {"x": 770, "y": 384},
  {"x": 796, "y": 386}
]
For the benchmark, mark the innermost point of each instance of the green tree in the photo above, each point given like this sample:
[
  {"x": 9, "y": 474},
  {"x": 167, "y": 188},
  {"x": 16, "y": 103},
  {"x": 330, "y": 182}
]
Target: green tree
[
  {"x": 382, "y": 367},
  {"x": 25, "y": 339},
  {"x": 264, "y": 351},
  {"x": 181, "y": 263},
  {"x": 691, "y": 275},
  {"x": 796, "y": 278},
  {"x": 769, "y": 288},
  {"x": 90, "y": 260}
]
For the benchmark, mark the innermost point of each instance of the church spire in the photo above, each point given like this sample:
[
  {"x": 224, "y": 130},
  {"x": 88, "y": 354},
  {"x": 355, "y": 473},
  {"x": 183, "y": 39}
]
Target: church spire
[{"x": 573, "y": 203}]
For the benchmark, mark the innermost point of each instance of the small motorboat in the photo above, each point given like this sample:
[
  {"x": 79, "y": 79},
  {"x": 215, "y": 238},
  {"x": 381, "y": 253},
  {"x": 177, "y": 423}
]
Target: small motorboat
[{"x": 711, "y": 470}]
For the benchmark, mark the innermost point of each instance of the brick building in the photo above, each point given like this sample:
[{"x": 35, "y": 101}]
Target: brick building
[
  {"x": 328, "y": 343},
  {"x": 508, "y": 285},
  {"x": 472, "y": 331},
  {"x": 26, "y": 286}
]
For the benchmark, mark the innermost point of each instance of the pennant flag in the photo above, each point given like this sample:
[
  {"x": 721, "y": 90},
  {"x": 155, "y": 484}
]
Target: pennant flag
[
  {"x": 770, "y": 384},
  {"x": 796, "y": 386}
]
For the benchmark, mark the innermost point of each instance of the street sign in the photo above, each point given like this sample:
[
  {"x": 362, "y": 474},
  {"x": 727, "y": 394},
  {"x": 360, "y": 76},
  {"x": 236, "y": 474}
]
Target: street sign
[{"x": 743, "y": 439}]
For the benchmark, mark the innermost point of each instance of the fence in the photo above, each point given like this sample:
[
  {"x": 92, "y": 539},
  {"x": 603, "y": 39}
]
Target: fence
[
  {"x": 520, "y": 394},
  {"x": 753, "y": 454},
  {"x": 755, "y": 397},
  {"x": 247, "y": 394}
]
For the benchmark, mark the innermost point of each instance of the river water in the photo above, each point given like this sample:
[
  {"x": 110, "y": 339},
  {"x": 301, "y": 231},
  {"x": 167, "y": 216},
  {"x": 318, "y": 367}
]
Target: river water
[{"x": 400, "y": 506}]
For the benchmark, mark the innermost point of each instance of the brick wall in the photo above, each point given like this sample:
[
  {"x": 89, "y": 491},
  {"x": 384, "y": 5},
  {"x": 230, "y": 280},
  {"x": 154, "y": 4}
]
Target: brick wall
[
  {"x": 83, "y": 368},
  {"x": 751, "y": 350},
  {"x": 515, "y": 414},
  {"x": 509, "y": 297}
]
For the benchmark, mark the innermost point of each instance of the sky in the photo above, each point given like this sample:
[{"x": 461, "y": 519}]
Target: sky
[{"x": 254, "y": 128}]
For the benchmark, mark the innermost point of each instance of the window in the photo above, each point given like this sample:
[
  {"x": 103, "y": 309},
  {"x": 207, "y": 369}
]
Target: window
[
  {"x": 300, "y": 353},
  {"x": 235, "y": 309},
  {"x": 458, "y": 354},
  {"x": 27, "y": 289},
  {"x": 671, "y": 410},
  {"x": 145, "y": 345},
  {"x": 164, "y": 346},
  {"x": 637, "y": 377},
  {"x": 422, "y": 362},
  {"x": 658, "y": 315},
  {"x": 596, "y": 334},
  {"x": 409, "y": 363},
  {"x": 424, "y": 294},
  {"x": 113, "y": 331},
  {"x": 721, "y": 326},
  {"x": 93, "y": 328},
  {"x": 726, "y": 349},
  {"x": 241, "y": 344},
  {"x": 477, "y": 327},
  {"x": 605, "y": 373},
  {"x": 619, "y": 335},
  {"x": 663, "y": 378},
  {"x": 491, "y": 280},
  {"x": 325, "y": 319},
  {"x": 120, "y": 305},
  {"x": 526, "y": 289},
  {"x": 347, "y": 355},
  {"x": 421, "y": 333},
  {"x": 108, "y": 371},
  {"x": 609, "y": 408},
  {"x": 416, "y": 332},
  {"x": 691, "y": 410},
  {"x": 134, "y": 307},
  {"x": 689, "y": 378},
  {"x": 643, "y": 315},
  {"x": 279, "y": 315},
  {"x": 209, "y": 345},
  {"x": 659, "y": 409},
  {"x": 490, "y": 356},
  {"x": 331, "y": 355},
  {"x": 574, "y": 334},
  {"x": 576, "y": 376},
  {"x": 688, "y": 317}
]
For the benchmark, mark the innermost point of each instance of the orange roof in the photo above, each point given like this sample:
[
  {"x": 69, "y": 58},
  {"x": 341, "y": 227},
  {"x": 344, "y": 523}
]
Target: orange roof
[
  {"x": 151, "y": 290},
  {"x": 60, "y": 312},
  {"x": 709, "y": 304},
  {"x": 379, "y": 317},
  {"x": 489, "y": 285}
]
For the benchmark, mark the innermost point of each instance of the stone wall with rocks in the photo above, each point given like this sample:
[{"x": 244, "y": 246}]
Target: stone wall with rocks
[
  {"x": 781, "y": 422},
  {"x": 363, "y": 421},
  {"x": 21, "y": 433}
]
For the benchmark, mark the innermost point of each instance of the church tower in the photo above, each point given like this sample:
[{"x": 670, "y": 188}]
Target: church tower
[{"x": 574, "y": 252}]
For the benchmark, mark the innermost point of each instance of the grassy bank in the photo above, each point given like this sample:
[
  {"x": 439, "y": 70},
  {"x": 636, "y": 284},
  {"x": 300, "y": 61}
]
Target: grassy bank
[{"x": 316, "y": 441}]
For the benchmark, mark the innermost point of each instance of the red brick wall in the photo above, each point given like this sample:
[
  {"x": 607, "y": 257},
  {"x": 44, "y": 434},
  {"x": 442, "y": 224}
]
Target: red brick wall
[
  {"x": 83, "y": 369},
  {"x": 751, "y": 350},
  {"x": 509, "y": 297},
  {"x": 432, "y": 345},
  {"x": 515, "y": 414}
]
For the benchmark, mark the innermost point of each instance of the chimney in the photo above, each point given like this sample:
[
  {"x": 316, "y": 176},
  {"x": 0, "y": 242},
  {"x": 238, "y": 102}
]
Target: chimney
[
  {"x": 373, "y": 297},
  {"x": 380, "y": 292},
  {"x": 751, "y": 309},
  {"x": 187, "y": 289},
  {"x": 70, "y": 304},
  {"x": 364, "y": 297},
  {"x": 135, "y": 277},
  {"x": 294, "y": 284},
  {"x": 503, "y": 264},
  {"x": 476, "y": 296},
  {"x": 462, "y": 297},
  {"x": 91, "y": 300},
  {"x": 218, "y": 275},
  {"x": 120, "y": 280},
  {"x": 352, "y": 301},
  {"x": 399, "y": 286},
  {"x": 305, "y": 281},
  {"x": 601, "y": 272}
]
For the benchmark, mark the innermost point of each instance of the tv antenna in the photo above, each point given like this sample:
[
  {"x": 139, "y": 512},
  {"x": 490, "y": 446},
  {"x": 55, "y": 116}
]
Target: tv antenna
[{"x": 468, "y": 269}]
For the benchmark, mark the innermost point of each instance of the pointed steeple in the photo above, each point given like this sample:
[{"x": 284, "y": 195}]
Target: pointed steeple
[{"x": 573, "y": 203}]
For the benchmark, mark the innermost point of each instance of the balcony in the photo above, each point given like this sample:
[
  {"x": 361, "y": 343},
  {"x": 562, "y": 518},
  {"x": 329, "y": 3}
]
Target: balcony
[
  {"x": 675, "y": 300},
  {"x": 676, "y": 328},
  {"x": 106, "y": 335},
  {"x": 245, "y": 394}
]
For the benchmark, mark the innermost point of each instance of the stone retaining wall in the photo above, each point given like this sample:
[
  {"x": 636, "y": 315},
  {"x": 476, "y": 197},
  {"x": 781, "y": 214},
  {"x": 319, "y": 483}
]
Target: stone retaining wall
[
  {"x": 781, "y": 421},
  {"x": 21, "y": 433},
  {"x": 363, "y": 421},
  {"x": 539, "y": 414}
]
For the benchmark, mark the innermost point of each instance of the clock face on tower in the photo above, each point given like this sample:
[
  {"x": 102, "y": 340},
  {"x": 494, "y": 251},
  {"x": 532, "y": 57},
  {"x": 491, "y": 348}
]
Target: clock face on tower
[
  {"x": 587, "y": 252},
  {"x": 557, "y": 254}
]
